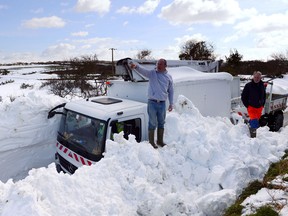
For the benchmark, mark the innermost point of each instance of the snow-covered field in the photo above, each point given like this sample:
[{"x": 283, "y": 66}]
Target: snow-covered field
[{"x": 206, "y": 164}]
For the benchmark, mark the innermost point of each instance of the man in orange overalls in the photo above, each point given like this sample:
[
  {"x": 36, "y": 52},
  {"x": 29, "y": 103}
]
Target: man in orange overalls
[{"x": 253, "y": 97}]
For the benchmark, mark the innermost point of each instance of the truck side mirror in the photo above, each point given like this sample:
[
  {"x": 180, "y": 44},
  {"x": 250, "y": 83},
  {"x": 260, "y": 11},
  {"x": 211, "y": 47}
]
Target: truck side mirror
[{"x": 52, "y": 113}]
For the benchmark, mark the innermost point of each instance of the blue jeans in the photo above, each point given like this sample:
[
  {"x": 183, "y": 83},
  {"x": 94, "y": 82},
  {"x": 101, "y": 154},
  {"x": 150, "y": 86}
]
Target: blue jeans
[
  {"x": 254, "y": 123},
  {"x": 157, "y": 114}
]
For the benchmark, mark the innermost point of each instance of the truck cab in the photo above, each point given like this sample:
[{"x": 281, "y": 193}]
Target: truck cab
[{"x": 83, "y": 132}]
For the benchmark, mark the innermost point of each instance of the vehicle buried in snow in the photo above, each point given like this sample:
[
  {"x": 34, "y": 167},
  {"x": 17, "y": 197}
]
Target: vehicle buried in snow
[{"x": 86, "y": 124}]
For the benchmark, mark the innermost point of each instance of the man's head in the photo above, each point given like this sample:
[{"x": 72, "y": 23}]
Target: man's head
[
  {"x": 257, "y": 76},
  {"x": 161, "y": 65}
]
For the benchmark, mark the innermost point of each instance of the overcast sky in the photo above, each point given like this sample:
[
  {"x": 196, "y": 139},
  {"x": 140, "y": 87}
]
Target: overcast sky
[{"x": 34, "y": 30}]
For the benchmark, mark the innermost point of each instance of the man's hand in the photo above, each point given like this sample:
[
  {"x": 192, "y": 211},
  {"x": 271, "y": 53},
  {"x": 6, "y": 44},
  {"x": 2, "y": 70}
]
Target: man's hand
[
  {"x": 132, "y": 65},
  {"x": 170, "y": 108}
]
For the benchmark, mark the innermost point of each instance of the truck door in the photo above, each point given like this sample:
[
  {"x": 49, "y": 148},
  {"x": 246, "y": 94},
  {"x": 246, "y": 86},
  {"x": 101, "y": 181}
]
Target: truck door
[{"x": 128, "y": 126}]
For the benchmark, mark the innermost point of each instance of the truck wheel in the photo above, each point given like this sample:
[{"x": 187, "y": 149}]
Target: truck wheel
[{"x": 278, "y": 121}]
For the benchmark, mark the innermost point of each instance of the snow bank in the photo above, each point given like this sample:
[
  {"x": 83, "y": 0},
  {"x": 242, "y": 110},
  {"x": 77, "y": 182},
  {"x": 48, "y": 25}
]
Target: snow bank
[
  {"x": 27, "y": 138},
  {"x": 205, "y": 165}
]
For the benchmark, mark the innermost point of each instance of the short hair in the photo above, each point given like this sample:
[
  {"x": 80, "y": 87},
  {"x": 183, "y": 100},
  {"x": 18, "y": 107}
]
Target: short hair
[
  {"x": 164, "y": 60},
  {"x": 257, "y": 72}
]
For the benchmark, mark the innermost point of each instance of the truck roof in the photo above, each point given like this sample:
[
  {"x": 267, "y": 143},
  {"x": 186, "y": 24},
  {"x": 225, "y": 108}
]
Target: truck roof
[
  {"x": 184, "y": 73},
  {"x": 104, "y": 107},
  {"x": 200, "y": 65}
]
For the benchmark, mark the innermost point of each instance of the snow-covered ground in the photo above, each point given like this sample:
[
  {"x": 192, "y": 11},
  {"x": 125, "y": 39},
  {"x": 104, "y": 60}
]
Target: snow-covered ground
[{"x": 206, "y": 164}]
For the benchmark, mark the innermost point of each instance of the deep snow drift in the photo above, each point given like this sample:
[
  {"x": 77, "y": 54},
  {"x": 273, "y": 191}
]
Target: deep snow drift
[{"x": 200, "y": 172}]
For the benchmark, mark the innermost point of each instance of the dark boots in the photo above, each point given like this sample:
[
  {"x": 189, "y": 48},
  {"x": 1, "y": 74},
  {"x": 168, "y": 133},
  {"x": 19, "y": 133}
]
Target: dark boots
[
  {"x": 160, "y": 134},
  {"x": 253, "y": 125},
  {"x": 151, "y": 138},
  {"x": 252, "y": 132}
]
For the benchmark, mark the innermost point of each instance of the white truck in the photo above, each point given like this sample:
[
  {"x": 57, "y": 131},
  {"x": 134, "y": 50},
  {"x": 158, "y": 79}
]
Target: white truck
[{"x": 87, "y": 124}]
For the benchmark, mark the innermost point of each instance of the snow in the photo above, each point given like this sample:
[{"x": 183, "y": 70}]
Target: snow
[
  {"x": 280, "y": 86},
  {"x": 196, "y": 76},
  {"x": 205, "y": 165},
  {"x": 266, "y": 196}
]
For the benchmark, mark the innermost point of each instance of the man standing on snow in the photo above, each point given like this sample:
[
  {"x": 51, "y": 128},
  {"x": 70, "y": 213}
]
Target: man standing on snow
[
  {"x": 253, "y": 97},
  {"x": 160, "y": 88}
]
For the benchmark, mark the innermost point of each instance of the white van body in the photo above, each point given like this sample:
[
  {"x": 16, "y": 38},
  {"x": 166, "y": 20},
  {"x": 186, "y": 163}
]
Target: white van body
[{"x": 209, "y": 92}]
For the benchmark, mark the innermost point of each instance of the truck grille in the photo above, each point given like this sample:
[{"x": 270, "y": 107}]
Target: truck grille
[{"x": 67, "y": 165}]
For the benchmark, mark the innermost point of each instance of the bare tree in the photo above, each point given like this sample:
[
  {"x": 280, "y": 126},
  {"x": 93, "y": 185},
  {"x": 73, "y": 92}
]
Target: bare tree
[
  {"x": 78, "y": 78},
  {"x": 144, "y": 54},
  {"x": 197, "y": 50},
  {"x": 84, "y": 64},
  {"x": 280, "y": 56}
]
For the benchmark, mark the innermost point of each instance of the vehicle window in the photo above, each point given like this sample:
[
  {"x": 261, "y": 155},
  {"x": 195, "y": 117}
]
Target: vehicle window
[
  {"x": 132, "y": 126},
  {"x": 83, "y": 132}
]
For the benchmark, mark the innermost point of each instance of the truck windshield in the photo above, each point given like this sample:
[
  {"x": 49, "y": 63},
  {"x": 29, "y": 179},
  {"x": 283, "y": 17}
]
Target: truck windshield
[{"x": 83, "y": 134}]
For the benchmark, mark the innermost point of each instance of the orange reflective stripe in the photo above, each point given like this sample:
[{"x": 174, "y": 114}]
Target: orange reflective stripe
[{"x": 254, "y": 113}]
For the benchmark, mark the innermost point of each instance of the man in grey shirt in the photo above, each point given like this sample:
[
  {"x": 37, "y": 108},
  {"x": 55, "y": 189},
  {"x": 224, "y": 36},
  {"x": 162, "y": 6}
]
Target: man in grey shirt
[{"x": 160, "y": 88}]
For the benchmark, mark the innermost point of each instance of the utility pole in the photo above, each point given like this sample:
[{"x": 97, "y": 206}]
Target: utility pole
[{"x": 112, "y": 49}]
